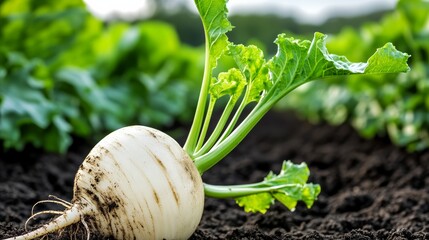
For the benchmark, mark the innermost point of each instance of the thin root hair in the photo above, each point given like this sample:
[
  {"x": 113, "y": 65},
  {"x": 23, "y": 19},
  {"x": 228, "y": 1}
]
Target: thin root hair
[
  {"x": 62, "y": 203},
  {"x": 66, "y": 203},
  {"x": 56, "y": 200},
  {"x": 85, "y": 225},
  {"x": 40, "y": 213}
]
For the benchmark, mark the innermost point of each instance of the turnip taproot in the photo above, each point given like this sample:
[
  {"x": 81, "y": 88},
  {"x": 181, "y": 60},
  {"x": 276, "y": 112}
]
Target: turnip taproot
[{"x": 138, "y": 183}]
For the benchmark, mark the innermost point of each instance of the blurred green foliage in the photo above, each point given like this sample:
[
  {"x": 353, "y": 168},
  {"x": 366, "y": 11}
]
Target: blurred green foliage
[
  {"x": 251, "y": 28},
  {"x": 64, "y": 73},
  {"x": 396, "y": 105}
]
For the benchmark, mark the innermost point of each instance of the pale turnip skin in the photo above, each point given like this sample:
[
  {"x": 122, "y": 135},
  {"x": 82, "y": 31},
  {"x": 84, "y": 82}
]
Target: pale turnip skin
[
  {"x": 156, "y": 193},
  {"x": 136, "y": 183}
]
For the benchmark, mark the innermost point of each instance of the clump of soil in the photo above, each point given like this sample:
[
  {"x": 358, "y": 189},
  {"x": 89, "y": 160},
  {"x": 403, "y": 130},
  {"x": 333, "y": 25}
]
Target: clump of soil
[{"x": 370, "y": 188}]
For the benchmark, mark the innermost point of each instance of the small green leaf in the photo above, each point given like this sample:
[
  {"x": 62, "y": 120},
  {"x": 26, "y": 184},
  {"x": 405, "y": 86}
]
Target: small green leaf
[
  {"x": 288, "y": 187},
  {"x": 289, "y": 199},
  {"x": 290, "y": 173},
  {"x": 229, "y": 83},
  {"x": 296, "y": 174},
  {"x": 251, "y": 62},
  {"x": 260, "y": 202},
  {"x": 310, "y": 193}
]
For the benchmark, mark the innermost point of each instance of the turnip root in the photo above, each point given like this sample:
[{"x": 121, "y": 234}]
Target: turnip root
[{"x": 136, "y": 183}]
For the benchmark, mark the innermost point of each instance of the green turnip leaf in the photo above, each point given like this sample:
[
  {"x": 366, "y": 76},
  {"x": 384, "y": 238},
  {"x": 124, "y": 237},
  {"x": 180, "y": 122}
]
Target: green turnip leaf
[{"x": 288, "y": 187}]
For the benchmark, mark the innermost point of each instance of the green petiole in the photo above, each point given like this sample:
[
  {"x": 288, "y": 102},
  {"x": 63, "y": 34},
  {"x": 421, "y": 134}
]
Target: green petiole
[{"x": 218, "y": 129}]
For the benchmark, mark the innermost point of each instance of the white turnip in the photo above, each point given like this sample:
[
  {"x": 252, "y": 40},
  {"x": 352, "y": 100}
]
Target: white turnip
[{"x": 137, "y": 182}]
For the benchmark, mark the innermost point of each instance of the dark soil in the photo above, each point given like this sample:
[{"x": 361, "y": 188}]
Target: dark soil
[{"x": 370, "y": 189}]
